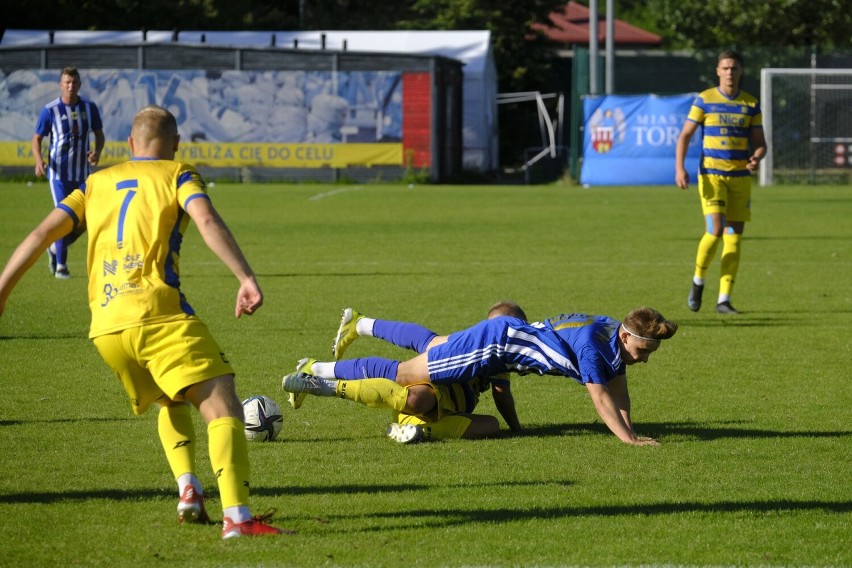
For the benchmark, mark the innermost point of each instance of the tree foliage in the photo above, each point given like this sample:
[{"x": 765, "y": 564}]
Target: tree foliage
[
  {"x": 521, "y": 61},
  {"x": 769, "y": 23}
]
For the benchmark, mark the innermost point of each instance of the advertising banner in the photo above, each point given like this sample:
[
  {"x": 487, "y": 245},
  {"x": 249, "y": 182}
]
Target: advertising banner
[
  {"x": 286, "y": 119},
  {"x": 630, "y": 140}
]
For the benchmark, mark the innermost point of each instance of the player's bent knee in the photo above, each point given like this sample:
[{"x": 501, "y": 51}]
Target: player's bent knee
[
  {"x": 215, "y": 398},
  {"x": 482, "y": 426}
]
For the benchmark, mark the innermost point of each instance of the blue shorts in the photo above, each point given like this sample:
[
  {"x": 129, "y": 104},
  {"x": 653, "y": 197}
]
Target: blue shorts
[
  {"x": 474, "y": 352},
  {"x": 62, "y": 188}
]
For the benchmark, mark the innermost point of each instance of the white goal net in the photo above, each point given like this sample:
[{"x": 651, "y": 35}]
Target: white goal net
[{"x": 807, "y": 119}]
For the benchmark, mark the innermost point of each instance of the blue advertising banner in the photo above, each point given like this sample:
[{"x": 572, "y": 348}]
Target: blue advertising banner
[
  {"x": 630, "y": 140},
  {"x": 227, "y": 118}
]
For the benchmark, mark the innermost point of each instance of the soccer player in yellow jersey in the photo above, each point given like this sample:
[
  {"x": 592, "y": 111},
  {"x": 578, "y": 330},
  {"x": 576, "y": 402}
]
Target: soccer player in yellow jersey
[
  {"x": 142, "y": 325},
  {"x": 733, "y": 145}
]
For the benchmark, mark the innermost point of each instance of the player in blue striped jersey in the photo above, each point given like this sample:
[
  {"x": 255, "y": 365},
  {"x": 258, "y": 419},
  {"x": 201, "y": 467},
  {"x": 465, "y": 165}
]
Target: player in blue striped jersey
[
  {"x": 69, "y": 120},
  {"x": 453, "y": 416},
  {"x": 733, "y": 145},
  {"x": 593, "y": 350}
]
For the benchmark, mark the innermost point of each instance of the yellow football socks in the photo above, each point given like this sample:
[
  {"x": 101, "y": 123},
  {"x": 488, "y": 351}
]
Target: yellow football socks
[
  {"x": 730, "y": 263},
  {"x": 706, "y": 252},
  {"x": 229, "y": 458},
  {"x": 375, "y": 393},
  {"x": 177, "y": 434},
  {"x": 450, "y": 427}
]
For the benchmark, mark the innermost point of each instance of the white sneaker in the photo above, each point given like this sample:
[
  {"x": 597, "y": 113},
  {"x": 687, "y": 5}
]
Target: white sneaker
[
  {"x": 296, "y": 399},
  {"x": 309, "y": 384},
  {"x": 405, "y": 433}
]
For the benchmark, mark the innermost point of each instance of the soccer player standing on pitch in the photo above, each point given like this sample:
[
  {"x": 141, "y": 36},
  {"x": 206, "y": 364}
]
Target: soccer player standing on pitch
[
  {"x": 733, "y": 145},
  {"x": 68, "y": 120},
  {"x": 142, "y": 325}
]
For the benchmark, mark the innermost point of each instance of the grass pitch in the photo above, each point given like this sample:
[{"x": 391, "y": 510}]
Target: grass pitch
[{"x": 752, "y": 410}]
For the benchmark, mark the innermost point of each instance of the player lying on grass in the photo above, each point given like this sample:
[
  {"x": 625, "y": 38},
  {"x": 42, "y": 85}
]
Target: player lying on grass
[
  {"x": 142, "y": 325},
  {"x": 593, "y": 350},
  {"x": 453, "y": 417}
]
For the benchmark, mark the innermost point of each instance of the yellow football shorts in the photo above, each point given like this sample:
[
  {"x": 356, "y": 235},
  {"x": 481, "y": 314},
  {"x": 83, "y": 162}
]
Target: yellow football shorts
[
  {"x": 441, "y": 425},
  {"x": 162, "y": 359},
  {"x": 450, "y": 399},
  {"x": 730, "y": 196}
]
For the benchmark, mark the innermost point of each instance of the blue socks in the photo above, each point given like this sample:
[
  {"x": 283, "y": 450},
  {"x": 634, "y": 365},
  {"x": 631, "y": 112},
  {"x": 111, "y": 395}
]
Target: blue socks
[
  {"x": 366, "y": 368},
  {"x": 402, "y": 334}
]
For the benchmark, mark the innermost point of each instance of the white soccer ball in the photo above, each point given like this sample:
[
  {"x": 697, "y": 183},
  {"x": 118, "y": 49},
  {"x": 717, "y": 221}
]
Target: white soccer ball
[{"x": 263, "y": 418}]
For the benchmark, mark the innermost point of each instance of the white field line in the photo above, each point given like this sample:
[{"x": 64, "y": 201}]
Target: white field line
[{"x": 334, "y": 192}]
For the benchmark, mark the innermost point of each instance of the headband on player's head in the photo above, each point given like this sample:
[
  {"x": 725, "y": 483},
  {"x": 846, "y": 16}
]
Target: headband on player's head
[{"x": 624, "y": 327}]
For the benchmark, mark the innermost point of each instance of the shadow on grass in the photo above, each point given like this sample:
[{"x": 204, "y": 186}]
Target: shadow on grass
[
  {"x": 443, "y": 518},
  {"x": 682, "y": 430},
  {"x": 659, "y": 430},
  {"x": 341, "y": 489},
  {"x": 666, "y": 432},
  {"x": 44, "y": 337}
]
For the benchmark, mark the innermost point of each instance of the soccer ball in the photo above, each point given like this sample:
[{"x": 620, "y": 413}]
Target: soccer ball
[{"x": 263, "y": 418}]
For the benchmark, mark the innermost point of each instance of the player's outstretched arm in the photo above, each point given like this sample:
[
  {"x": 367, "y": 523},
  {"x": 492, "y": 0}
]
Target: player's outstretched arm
[
  {"x": 56, "y": 225},
  {"x": 621, "y": 397},
  {"x": 611, "y": 415},
  {"x": 221, "y": 241}
]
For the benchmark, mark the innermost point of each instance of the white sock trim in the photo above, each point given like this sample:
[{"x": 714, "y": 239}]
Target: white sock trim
[
  {"x": 237, "y": 513},
  {"x": 323, "y": 369},
  {"x": 189, "y": 479},
  {"x": 364, "y": 326}
]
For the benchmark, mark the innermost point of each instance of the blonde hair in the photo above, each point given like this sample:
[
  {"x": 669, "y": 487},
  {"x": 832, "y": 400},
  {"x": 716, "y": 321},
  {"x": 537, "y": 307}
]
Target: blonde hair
[
  {"x": 649, "y": 323},
  {"x": 154, "y": 122}
]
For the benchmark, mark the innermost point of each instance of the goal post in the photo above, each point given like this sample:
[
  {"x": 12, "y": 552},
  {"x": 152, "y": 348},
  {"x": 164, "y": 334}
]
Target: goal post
[{"x": 807, "y": 120}]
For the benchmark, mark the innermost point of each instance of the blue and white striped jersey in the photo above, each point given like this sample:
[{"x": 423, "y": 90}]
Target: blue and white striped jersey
[
  {"x": 582, "y": 347},
  {"x": 69, "y": 128}
]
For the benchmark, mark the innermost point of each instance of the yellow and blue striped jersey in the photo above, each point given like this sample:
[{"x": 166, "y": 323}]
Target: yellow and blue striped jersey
[
  {"x": 134, "y": 214},
  {"x": 727, "y": 123}
]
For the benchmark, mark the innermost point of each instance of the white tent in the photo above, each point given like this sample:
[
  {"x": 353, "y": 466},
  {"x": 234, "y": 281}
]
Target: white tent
[{"x": 473, "y": 48}]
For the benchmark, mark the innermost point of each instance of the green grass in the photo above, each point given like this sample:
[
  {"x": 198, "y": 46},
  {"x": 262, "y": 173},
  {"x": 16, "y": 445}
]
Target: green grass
[{"x": 752, "y": 411}]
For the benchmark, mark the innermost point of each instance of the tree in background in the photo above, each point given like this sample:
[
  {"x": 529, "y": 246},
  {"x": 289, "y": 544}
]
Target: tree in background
[
  {"x": 524, "y": 60},
  {"x": 769, "y": 23}
]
